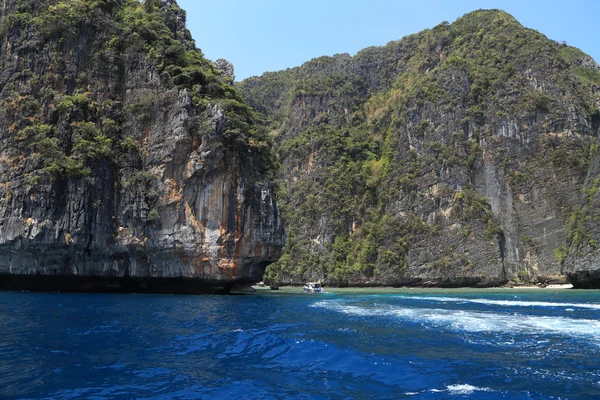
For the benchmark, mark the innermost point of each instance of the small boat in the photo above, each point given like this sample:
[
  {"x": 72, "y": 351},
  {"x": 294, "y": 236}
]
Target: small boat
[{"x": 313, "y": 287}]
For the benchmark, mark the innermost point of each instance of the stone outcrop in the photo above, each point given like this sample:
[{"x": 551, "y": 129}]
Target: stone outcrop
[
  {"x": 122, "y": 165},
  {"x": 226, "y": 68}
]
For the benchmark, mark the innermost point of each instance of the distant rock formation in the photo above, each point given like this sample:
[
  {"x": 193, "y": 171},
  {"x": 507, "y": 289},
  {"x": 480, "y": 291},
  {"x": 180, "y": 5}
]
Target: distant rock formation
[{"x": 463, "y": 155}]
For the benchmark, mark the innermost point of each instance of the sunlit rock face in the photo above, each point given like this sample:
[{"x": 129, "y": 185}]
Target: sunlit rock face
[{"x": 125, "y": 161}]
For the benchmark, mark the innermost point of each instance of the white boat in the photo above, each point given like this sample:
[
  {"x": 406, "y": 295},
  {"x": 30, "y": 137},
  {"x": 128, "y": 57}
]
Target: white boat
[{"x": 313, "y": 287}]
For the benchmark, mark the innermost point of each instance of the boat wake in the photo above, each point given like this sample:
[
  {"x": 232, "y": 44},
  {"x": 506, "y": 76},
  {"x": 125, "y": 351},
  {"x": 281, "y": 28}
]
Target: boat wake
[
  {"x": 474, "y": 321},
  {"x": 506, "y": 303}
]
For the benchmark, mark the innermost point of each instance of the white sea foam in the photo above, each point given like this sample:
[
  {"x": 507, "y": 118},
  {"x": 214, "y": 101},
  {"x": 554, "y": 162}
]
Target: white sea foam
[
  {"x": 465, "y": 389},
  {"x": 458, "y": 389},
  {"x": 509, "y": 303},
  {"x": 476, "y": 321}
]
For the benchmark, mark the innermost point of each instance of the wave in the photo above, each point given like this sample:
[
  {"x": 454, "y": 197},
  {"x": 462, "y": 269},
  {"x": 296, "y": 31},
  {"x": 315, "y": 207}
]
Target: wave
[
  {"x": 509, "y": 303},
  {"x": 474, "y": 321},
  {"x": 462, "y": 389}
]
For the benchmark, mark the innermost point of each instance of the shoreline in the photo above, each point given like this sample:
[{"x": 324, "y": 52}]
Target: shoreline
[
  {"x": 391, "y": 289},
  {"x": 554, "y": 286}
]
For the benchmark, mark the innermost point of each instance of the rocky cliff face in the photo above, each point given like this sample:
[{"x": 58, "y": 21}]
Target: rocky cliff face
[
  {"x": 464, "y": 155},
  {"x": 128, "y": 161}
]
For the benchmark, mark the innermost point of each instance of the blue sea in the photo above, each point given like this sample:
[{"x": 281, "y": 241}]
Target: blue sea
[{"x": 346, "y": 344}]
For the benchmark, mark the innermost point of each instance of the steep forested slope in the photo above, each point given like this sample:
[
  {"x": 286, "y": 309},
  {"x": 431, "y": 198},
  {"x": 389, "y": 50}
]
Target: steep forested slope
[
  {"x": 125, "y": 153},
  {"x": 461, "y": 155}
]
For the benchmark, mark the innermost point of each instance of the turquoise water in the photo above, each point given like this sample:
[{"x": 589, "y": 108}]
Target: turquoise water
[{"x": 272, "y": 345}]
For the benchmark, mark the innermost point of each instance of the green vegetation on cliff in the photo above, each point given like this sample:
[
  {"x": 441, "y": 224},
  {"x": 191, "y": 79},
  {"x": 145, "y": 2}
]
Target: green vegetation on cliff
[{"x": 67, "y": 122}]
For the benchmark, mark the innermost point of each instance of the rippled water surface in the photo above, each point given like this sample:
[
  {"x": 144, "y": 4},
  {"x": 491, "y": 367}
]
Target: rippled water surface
[{"x": 345, "y": 344}]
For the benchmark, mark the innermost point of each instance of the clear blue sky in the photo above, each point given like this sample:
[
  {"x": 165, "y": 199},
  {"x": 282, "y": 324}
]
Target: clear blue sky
[{"x": 270, "y": 35}]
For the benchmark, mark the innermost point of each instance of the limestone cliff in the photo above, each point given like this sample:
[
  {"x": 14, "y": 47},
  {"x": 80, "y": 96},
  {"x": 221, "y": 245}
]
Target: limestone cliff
[
  {"x": 464, "y": 155},
  {"x": 128, "y": 161}
]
